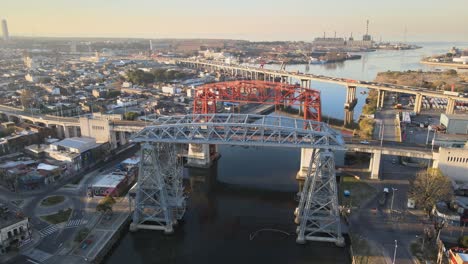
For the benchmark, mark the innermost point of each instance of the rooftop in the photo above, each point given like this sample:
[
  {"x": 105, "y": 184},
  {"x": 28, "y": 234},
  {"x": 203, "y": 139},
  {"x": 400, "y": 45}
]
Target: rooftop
[
  {"x": 82, "y": 144},
  {"x": 109, "y": 180},
  {"x": 131, "y": 161},
  {"x": 9, "y": 219},
  {"x": 457, "y": 116}
]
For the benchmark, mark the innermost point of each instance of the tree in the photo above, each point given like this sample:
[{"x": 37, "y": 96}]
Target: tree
[
  {"x": 130, "y": 115},
  {"x": 430, "y": 187},
  {"x": 366, "y": 128},
  {"x": 113, "y": 94},
  {"x": 105, "y": 205},
  {"x": 140, "y": 77}
]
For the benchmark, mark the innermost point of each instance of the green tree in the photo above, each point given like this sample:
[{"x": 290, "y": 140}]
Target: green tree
[
  {"x": 130, "y": 115},
  {"x": 113, "y": 94},
  {"x": 140, "y": 77},
  {"x": 366, "y": 128},
  {"x": 105, "y": 205},
  {"x": 430, "y": 187}
]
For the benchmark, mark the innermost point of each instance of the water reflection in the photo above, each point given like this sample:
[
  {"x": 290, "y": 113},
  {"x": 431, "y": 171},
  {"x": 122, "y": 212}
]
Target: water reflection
[{"x": 248, "y": 190}]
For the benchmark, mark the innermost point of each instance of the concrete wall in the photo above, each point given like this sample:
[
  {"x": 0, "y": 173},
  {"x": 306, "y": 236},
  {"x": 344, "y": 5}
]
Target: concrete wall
[
  {"x": 95, "y": 128},
  {"x": 453, "y": 162}
]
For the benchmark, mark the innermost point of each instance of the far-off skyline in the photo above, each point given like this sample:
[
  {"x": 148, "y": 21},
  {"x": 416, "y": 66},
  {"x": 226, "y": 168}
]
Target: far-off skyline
[{"x": 424, "y": 20}]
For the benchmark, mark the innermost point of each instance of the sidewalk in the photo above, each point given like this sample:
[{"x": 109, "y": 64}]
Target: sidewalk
[{"x": 103, "y": 232}]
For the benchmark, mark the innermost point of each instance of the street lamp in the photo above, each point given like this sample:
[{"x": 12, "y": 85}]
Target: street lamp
[
  {"x": 394, "y": 252},
  {"x": 393, "y": 195},
  {"x": 433, "y": 140},
  {"x": 382, "y": 128},
  {"x": 427, "y": 137}
]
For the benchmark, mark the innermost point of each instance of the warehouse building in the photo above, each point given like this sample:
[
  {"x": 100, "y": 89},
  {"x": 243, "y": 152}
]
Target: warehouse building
[{"x": 455, "y": 124}]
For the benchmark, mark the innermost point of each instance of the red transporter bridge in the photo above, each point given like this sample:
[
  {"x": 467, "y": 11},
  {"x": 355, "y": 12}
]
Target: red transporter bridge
[{"x": 260, "y": 92}]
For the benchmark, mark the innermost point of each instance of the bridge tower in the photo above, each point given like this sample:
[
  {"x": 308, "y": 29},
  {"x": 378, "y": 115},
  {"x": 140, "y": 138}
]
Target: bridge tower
[
  {"x": 318, "y": 213},
  {"x": 160, "y": 200}
]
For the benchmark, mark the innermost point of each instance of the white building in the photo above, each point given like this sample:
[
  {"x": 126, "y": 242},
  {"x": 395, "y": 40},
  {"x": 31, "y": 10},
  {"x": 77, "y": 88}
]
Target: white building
[
  {"x": 14, "y": 230},
  {"x": 453, "y": 162},
  {"x": 171, "y": 90},
  {"x": 75, "y": 144},
  {"x": 462, "y": 59}
]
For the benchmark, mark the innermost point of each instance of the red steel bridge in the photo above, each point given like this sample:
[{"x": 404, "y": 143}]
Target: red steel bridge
[{"x": 260, "y": 92}]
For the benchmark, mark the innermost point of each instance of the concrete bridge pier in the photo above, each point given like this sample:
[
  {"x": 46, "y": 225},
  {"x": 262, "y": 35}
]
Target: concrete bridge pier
[
  {"x": 351, "y": 99},
  {"x": 450, "y": 106},
  {"x": 349, "y": 105},
  {"x": 374, "y": 165},
  {"x": 306, "y": 155},
  {"x": 305, "y": 83},
  {"x": 418, "y": 103},
  {"x": 380, "y": 98},
  {"x": 202, "y": 155},
  {"x": 349, "y": 117}
]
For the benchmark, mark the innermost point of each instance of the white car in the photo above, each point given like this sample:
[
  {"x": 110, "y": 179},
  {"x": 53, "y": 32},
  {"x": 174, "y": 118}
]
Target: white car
[{"x": 365, "y": 142}]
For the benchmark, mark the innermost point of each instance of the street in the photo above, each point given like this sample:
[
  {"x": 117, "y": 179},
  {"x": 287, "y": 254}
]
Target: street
[{"x": 55, "y": 239}]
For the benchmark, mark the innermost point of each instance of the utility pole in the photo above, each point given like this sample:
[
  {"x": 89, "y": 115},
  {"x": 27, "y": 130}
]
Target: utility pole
[
  {"x": 427, "y": 137},
  {"x": 382, "y": 128},
  {"x": 394, "y": 252},
  {"x": 393, "y": 196}
]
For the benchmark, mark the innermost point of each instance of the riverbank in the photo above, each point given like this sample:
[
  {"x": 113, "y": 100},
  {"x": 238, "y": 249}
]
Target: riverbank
[
  {"x": 334, "y": 123},
  {"x": 446, "y": 64},
  {"x": 433, "y": 80}
]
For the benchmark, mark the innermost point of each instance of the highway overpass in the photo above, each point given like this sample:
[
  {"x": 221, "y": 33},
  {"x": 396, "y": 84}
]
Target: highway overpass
[{"x": 306, "y": 78}]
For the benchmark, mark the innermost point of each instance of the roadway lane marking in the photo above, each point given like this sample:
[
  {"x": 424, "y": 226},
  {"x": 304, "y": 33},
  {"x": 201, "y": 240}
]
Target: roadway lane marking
[
  {"x": 48, "y": 230},
  {"x": 32, "y": 261}
]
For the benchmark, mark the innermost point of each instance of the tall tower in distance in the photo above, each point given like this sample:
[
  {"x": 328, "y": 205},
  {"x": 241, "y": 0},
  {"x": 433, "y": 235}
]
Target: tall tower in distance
[
  {"x": 367, "y": 37},
  {"x": 6, "y": 37}
]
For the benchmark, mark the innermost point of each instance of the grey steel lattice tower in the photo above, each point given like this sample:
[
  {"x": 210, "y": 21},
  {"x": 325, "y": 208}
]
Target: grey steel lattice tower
[
  {"x": 6, "y": 36},
  {"x": 318, "y": 214},
  {"x": 160, "y": 199}
]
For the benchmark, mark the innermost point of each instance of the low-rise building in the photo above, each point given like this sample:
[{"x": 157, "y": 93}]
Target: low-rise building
[
  {"x": 455, "y": 124},
  {"x": 117, "y": 182},
  {"x": 14, "y": 230},
  {"x": 453, "y": 162}
]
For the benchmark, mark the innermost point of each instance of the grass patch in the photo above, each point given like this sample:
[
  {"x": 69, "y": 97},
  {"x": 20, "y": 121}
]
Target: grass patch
[
  {"x": 360, "y": 191},
  {"x": 59, "y": 217},
  {"x": 52, "y": 200}
]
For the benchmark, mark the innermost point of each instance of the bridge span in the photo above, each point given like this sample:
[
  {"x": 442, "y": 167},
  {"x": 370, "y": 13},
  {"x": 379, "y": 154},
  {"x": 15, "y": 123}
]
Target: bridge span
[{"x": 256, "y": 73}]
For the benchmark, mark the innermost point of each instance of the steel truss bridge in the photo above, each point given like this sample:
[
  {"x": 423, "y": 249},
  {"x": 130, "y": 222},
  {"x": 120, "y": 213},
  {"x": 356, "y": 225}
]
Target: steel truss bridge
[
  {"x": 160, "y": 200},
  {"x": 263, "y": 92}
]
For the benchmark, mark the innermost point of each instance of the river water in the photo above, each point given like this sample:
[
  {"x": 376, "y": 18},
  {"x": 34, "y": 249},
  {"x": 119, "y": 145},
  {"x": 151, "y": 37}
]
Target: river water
[{"x": 253, "y": 189}]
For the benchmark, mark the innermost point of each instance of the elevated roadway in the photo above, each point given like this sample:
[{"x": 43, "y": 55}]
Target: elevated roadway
[{"x": 306, "y": 78}]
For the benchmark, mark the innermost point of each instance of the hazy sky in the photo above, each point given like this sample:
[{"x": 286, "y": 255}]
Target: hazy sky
[{"x": 435, "y": 20}]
